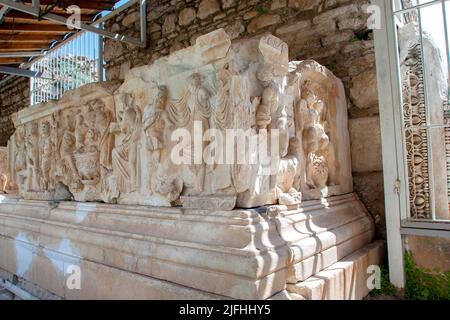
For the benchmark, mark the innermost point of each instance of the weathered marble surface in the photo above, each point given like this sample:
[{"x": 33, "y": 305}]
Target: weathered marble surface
[
  {"x": 117, "y": 144},
  {"x": 344, "y": 280},
  {"x": 7, "y": 185},
  {"x": 139, "y": 252},
  {"x": 4, "y": 171},
  {"x": 61, "y": 150}
]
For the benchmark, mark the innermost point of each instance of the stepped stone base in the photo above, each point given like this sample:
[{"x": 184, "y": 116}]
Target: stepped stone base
[
  {"x": 136, "y": 252},
  {"x": 344, "y": 280}
]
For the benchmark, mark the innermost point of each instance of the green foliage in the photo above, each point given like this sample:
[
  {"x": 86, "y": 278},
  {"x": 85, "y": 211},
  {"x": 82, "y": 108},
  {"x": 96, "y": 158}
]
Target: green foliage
[
  {"x": 387, "y": 288},
  {"x": 332, "y": 66},
  {"x": 261, "y": 10},
  {"x": 354, "y": 38},
  {"x": 422, "y": 284}
]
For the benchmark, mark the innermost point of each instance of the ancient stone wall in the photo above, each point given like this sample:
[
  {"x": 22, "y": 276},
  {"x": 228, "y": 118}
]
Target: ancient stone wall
[
  {"x": 333, "y": 32},
  {"x": 14, "y": 96}
]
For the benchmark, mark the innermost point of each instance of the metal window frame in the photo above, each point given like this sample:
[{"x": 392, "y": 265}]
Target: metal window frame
[
  {"x": 397, "y": 9},
  {"x": 395, "y": 182},
  {"x": 95, "y": 27},
  {"x": 81, "y": 42},
  {"x": 398, "y": 220}
]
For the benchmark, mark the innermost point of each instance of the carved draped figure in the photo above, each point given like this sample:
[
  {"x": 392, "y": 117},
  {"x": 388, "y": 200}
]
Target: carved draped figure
[
  {"x": 192, "y": 106},
  {"x": 193, "y": 112},
  {"x": 124, "y": 156}
]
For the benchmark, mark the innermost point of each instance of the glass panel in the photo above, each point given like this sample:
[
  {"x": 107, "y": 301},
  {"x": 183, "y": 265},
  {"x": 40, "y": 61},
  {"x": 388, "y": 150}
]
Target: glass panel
[
  {"x": 439, "y": 139},
  {"x": 424, "y": 68},
  {"x": 70, "y": 66},
  {"x": 435, "y": 62}
]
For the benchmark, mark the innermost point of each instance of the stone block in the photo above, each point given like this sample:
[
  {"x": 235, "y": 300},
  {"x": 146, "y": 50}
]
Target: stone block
[
  {"x": 345, "y": 280},
  {"x": 365, "y": 136},
  {"x": 169, "y": 24},
  {"x": 262, "y": 22},
  {"x": 186, "y": 16},
  {"x": 207, "y": 8},
  {"x": 364, "y": 92}
]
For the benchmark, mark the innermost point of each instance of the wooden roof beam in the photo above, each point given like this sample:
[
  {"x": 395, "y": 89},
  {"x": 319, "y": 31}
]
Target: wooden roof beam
[
  {"x": 90, "y": 27},
  {"x": 8, "y": 27},
  {"x": 21, "y": 47},
  {"x": 83, "y": 4},
  {"x": 12, "y": 60},
  {"x": 21, "y": 37},
  {"x": 21, "y": 17}
]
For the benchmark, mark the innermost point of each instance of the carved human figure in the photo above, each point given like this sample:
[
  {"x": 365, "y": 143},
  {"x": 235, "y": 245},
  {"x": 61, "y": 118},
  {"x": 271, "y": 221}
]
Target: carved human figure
[
  {"x": 316, "y": 141},
  {"x": 32, "y": 156},
  {"x": 46, "y": 154},
  {"x": 193, "y": 112},
  {"x": 80, "y": 130},
  {"x": 271, "y": 119},
  {"x": 20, "y": 159},
  {"x": 4, "y": 174},
  {"x": 270, "y": 114},
  {"x": 269, "y": 101},
  {"x": 124, "y": 156},
  {"x": 223, "y": 118},
  {"x": 91, "y": 140},
  {"x": 154, "y": 122},
  {"x": 67, "y": 150},
  {"x": 101, "y": 122}
]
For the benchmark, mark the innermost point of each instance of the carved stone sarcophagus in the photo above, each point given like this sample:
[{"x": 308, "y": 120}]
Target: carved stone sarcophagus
[{"x": 232, "y": 132}]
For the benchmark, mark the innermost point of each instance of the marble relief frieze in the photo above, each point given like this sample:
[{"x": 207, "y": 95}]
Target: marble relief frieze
[{"x": 216, "y": 125}]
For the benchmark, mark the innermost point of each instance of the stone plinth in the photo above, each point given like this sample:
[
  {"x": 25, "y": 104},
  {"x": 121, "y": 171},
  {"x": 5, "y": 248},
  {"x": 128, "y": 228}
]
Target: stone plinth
[
  {"x": 344, "y": 280},
  {"x": 171, "y": 253}
]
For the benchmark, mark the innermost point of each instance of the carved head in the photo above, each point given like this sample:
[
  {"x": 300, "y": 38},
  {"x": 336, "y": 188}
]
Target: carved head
[
  {"x": 308, "y": 94},
  {"x": 319, "y": 106},
  {"x": 195, "y": 80},
  {"x": 91, "y": 135},
  {"x": 31, "y": 131},
  {"x": 44, "y": 129},
  {"x": 20, "y": 133},
  {"x": 129, "y": 120},
  {"x": 161, "y": 97},
  {"x": 224, "y": 74},
  {"x": 265, "y": 74}
]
